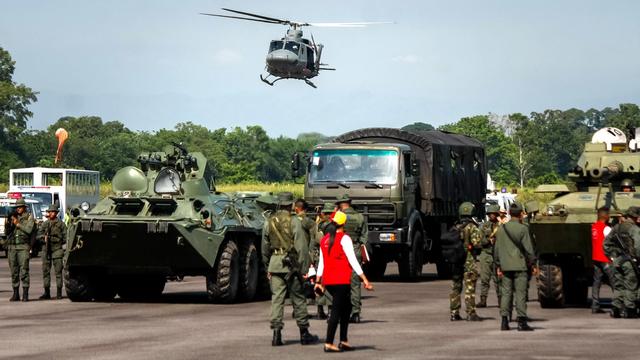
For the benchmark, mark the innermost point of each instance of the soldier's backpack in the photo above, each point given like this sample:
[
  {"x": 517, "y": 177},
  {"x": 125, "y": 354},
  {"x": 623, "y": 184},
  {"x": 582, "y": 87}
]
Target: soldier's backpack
[{"x": 452, "y": 245}]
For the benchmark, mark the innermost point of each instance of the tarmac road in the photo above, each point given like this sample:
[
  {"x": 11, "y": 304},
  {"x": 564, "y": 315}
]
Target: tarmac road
[{"x": 400, "y": 321}]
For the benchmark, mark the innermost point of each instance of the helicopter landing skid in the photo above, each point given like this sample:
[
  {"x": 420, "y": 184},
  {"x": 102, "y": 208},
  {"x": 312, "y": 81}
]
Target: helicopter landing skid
[{"x": 266, "y": 81}]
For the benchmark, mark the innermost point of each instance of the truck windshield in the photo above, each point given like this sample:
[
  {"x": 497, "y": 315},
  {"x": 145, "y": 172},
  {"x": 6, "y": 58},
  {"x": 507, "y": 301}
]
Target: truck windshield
[{"x": 354, "y": 165}]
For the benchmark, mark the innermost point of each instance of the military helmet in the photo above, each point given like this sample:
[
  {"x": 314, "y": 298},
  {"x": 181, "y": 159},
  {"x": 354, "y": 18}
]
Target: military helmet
[
  {"x": 285, "y": 198},
  {"x": 466, "y": 209},
  {"x": 328, "y": 208},
  {"x": 20, "y": 203},
  {"x": 53, "y": 207},
  {"x": 493, "y": 209},
  {"x": 515, "y": 208},
  {"x": 633, "y": 211},
  {"x": 343, "y": 198},
  {"x": 626, "y": 183}
]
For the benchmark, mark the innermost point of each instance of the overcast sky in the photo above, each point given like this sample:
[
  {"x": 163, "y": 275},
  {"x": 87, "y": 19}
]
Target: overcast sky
[{"x": 151, "y": 64}]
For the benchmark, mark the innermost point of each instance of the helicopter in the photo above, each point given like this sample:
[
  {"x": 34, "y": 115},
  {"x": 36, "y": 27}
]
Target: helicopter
[{"x": 292, "y": 57}]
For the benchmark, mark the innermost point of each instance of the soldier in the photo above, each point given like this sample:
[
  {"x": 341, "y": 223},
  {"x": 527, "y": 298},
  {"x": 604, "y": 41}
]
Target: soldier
[
  {"x": 621, "y": 246},
  {"x": 487, "y": 266},
  {"x": 513, "y": 256},
  {"x": 52, "y": 235},
  {"x": 308, "y": 225},
  {"x": 626, "y": 185},
  {"x": 471, "y": 237},
  {"x": 323, "y": 221},
  {"x": 19, "y": 249},
  {"x": 285, "y": 254},
  {"x": 357, "y": 229},
  {"x": 601, "y": 263}
]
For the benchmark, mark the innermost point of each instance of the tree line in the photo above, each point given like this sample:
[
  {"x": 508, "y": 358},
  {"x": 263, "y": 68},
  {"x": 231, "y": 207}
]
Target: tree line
[{"x": 522, "y": 149}]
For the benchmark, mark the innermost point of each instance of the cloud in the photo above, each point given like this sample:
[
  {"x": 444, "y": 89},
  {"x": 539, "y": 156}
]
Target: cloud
[
  {"x": 407, "y": 59},
  {"x": 227, "y": 56}
]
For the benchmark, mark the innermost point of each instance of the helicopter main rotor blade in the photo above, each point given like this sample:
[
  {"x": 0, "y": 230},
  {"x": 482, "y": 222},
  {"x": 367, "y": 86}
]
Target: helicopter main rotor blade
[
  {"x": 258, "y": 16},
  {"x": 241, "y": 18},
  {"x": 345, "y": 24}
]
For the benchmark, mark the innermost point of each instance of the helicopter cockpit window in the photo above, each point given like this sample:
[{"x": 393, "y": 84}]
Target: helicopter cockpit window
[
  {"x": 292, "y": 46},
  {"x": 167, "y": 182},
  {"x": 276, "y": 45}
]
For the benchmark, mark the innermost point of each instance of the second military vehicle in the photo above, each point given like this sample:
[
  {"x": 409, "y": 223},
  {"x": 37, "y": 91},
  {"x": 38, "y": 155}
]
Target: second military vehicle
[
  {"x": 162, "y": 220},
  {"x": 603, "y": 176},
  {"x": 407, "y": 185}
]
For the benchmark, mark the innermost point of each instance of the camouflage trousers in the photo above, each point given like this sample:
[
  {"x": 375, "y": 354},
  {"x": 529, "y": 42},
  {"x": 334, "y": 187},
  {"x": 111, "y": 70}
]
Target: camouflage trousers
[
  {"x": 47, "y": 263},
  {"x": 280, "y": 286},
  {"x": 19, "y": 265},
  {"x": 356, "y": 288},
  {"x": 469, "y": 277},
  {"x": 625, "y": 286},
  {"x": 488, "y": 275}
]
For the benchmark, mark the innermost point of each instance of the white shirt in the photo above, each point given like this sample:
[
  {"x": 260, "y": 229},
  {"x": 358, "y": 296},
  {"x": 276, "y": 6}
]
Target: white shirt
[{"x": 347, "y": 247}]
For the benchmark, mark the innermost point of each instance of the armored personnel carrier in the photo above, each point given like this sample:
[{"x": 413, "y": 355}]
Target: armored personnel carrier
[
  {"x": 164, "y": 219},
  {"x": 603, "y": 176}
]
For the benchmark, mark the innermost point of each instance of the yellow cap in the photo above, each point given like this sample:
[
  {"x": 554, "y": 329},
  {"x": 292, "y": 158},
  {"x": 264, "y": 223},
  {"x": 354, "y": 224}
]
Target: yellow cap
[{"x": 339, "y": 218}]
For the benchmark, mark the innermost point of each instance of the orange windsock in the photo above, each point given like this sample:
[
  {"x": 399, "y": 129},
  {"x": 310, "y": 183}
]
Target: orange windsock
[{"x": 62, "y": 136}]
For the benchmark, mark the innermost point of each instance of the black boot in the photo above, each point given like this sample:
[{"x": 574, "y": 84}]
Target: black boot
[
  {"x": 46, "y": 295},
  {"x": 321, "y": 314},
  {"x": 277, "y": 338},
  {"x": 355, "y": 318},
  {"x": 455, "y": 317},
  {"x": 615, "y": 313},
  {"x": 16, "y": 294},
  {"x": 59, "y": 293},
  {"x": 482, "y": 303},
  {"x": 25, "y": 294},
  {"x": 307, "y": 338},
  {"x": 505, "y": 323},
  {"x": 522, "y": 324}
]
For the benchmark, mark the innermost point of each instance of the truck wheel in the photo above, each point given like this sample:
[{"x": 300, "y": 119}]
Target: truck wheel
[
  {"x": 249, "y": 268},
  {"x": 77, "y": 286},
  {"x": 550, "y": 291},
  {"x": 410, "y": 266},
  {"x": 222, "y": 285}
]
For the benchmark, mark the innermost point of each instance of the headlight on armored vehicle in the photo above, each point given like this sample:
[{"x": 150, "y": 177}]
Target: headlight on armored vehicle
[
  {"x": 84, "y": 206},
  {"x": 387, "y": 237},
  {"x": 550, "y": 210}
]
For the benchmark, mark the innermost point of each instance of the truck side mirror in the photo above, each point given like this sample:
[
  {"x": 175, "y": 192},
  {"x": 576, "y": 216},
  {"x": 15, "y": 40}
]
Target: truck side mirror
[
  {"x": 415, "y": 168},
  {"x": 295, "y": 165}
]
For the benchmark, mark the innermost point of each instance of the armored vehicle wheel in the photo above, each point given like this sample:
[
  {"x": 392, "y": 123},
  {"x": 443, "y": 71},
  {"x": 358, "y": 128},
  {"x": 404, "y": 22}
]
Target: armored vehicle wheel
[
  {"x": 410, "y": 266},
  {"x": 136, "y": 288},
  {"x": 77, "y": 286},
  {"x": 550, "y": 291},
  {"x": 222, "y": 285},
  {"x": 249, "y": 268}
]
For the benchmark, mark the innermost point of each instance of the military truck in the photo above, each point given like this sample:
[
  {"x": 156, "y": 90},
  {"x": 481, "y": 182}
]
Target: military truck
[
  {"x": 562, "y": 227},
  {"x": 407, "y": 185},
  {"x": 164, "y": 219}
]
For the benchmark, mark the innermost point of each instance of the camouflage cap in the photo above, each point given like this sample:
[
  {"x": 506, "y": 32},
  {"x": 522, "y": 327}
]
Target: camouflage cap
[
  {"x": 53, "y": 207},
  {"x": 466, "y": 209},
  {"x": 493, "y": 209},
  {"x": 285, "y": 198},
  {"x": 20, "y": 203},
  {"x": 633, "y": 211},
  {"x": 343, "y": 198},
  {"x": 515, "y": 208},
  {"x": 328, "y": 208}
]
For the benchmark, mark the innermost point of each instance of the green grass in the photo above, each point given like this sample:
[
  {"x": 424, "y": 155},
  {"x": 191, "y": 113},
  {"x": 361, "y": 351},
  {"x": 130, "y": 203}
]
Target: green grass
[{"x": 296, "y": 189}]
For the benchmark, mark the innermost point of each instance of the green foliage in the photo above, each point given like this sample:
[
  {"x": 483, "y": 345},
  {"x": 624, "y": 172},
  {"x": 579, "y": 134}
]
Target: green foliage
[{"x": 418, "y": 126}]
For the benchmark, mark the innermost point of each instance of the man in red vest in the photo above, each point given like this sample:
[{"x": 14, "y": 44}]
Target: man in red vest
[{"x": 601, "y": 263}]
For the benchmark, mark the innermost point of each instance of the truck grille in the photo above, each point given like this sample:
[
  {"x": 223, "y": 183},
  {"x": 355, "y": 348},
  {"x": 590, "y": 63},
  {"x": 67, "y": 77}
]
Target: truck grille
[{"x": 378, "y": 214}]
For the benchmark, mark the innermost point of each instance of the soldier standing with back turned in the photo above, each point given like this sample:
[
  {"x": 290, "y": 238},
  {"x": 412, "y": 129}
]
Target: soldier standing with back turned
[
  {"x": 52, "y": 235},
  {"x": 622, "y": 246},
  {"x": 358, "y": 230},
  {"x": 487, "y": 267},
  {"x": 285, "y": 253},
  {"x": 514, "y": 255},
  {"x": 471, "y": 237},
  {"x": 323, "y": 222},
  {"x": 19, "y": 250}
]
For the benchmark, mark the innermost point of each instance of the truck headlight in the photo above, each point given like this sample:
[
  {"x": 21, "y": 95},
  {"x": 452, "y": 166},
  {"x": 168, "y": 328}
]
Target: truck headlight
[{"x": 387, "y": 237}]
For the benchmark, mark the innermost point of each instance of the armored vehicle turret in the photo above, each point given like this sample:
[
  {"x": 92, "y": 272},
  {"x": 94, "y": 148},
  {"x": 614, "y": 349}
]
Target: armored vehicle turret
[
  {"x": 161, "y": 220},
  {"x": 603, "y": 176}
]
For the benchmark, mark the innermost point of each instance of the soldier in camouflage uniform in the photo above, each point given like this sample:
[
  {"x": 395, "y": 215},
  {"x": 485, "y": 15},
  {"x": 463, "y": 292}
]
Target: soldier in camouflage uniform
[
  {"x": 52, "y": 235},
  {"x": 487, "y": 266},
  {"x": 356, "y": 227},
  {"x": 514, "y": 256},
  {"x": 285, "y": 254},
  {"x": 19, "y": 248},
  {"x": 622, "y": 245},
  {"x": 323, "y": 221},
  {"x": 472, "y": 237}
]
